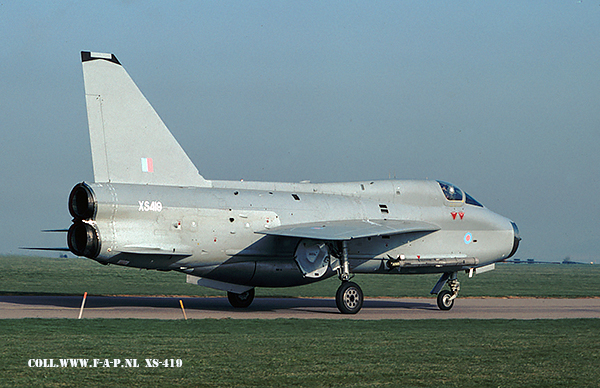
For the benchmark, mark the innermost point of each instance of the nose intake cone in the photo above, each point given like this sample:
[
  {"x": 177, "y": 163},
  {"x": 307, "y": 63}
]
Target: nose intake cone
[{"x": 516, "y": 240}]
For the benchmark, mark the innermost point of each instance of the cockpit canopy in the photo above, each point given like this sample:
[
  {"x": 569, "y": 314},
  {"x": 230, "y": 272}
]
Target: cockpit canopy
[{"x": 453, "y": 193}]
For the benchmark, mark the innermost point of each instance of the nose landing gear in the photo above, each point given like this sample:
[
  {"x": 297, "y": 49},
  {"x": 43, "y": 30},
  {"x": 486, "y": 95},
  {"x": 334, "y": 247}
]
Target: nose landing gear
[{"x": 445, "y": 298}]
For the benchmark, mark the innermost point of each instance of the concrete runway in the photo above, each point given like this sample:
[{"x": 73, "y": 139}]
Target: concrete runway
[{"x": 13, "y": 307}]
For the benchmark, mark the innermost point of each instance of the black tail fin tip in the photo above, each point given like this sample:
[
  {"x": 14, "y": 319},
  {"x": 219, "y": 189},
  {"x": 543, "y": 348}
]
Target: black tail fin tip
[{"x": 91, "y": 56}]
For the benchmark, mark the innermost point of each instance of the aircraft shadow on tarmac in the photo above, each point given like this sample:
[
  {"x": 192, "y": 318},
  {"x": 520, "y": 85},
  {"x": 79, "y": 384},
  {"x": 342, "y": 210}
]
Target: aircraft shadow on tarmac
[{"x": 212, "y": 303}]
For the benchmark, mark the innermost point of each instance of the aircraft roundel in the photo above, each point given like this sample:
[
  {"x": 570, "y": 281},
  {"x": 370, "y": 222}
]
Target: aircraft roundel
[{"x": 468, "y": 238}]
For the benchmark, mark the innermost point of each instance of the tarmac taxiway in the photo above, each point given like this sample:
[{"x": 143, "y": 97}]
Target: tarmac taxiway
[{"x": 15, "y": 307}]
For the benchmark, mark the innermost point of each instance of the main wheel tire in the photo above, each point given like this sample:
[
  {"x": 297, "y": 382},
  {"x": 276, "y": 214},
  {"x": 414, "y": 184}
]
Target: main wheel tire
[
  {"x": 349, "y": 298},
  {"x": 242, "y": 300},
  {"x": 443, "y": 300}
]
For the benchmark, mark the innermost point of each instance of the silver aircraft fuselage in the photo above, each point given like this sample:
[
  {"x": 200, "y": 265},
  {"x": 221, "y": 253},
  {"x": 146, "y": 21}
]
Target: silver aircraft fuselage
[{"x": 221, "y": 233}]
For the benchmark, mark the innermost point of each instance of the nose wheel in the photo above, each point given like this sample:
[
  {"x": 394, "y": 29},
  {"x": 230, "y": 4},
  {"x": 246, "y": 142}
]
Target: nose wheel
[{"x": 445, "y": 300}]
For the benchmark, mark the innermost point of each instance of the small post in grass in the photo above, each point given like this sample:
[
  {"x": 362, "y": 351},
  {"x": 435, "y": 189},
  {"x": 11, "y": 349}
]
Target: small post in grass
[
  {"x": 182, "y": 309},
  {"x": 82, "y": 304}
]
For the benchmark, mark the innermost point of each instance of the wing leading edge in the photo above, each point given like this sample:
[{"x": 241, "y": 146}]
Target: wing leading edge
[{"x": 350, "y": 229}]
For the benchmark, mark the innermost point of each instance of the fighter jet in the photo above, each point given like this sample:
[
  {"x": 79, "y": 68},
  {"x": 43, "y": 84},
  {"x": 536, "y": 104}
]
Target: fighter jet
[{"x": 149, "y": 207}]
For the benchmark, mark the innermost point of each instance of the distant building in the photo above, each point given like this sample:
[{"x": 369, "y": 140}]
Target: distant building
[{"x": 568, "y": 260}]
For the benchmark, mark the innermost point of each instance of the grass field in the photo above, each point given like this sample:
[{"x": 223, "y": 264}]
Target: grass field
[
  {"x": 316, "y": 353},
  {"x": 284, "y": 353},
  {"x": 36, "y": 275}
]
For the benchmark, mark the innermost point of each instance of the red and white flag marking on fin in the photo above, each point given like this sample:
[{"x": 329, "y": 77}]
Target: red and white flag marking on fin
[{"x": 147, "y": 165}]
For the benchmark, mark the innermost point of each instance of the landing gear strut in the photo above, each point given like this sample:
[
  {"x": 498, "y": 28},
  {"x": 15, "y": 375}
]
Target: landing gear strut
[
  {"x": 242, "y": 300},
  {"x": 349, "y": 296},
  {"x": 445, "y": 298}
]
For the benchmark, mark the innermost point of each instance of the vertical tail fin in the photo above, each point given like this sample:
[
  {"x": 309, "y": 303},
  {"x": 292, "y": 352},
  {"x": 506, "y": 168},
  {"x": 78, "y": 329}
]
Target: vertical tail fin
[{"x": 130, "y": 143}]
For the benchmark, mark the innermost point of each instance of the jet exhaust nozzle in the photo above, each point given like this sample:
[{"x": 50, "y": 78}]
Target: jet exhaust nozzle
[
  {"x": 83, "y": 240},
  {"x": 82, "y": 202}
]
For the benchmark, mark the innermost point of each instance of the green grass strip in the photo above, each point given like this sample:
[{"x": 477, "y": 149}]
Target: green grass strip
[
  {"x": 39, "y": 276},
  {"x": 294, "y": 353}
]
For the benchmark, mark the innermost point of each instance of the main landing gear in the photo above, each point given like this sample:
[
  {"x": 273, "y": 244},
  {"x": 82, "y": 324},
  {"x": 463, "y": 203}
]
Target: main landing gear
[
  {"x": 349, "y": 296},
  {"x": 445, "y": 298}
]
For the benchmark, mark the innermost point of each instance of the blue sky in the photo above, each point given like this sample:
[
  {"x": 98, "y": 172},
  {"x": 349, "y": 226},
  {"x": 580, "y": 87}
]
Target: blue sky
[{"x": 500, "y": 98}]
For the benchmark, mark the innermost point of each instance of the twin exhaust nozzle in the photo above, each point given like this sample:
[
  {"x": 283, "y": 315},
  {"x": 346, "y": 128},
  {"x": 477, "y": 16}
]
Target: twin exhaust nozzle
[{"x": 83, "y": 238}]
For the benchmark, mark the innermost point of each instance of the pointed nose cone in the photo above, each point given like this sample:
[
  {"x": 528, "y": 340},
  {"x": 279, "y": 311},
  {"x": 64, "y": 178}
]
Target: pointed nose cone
[{"x": 516, "y": 240}]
